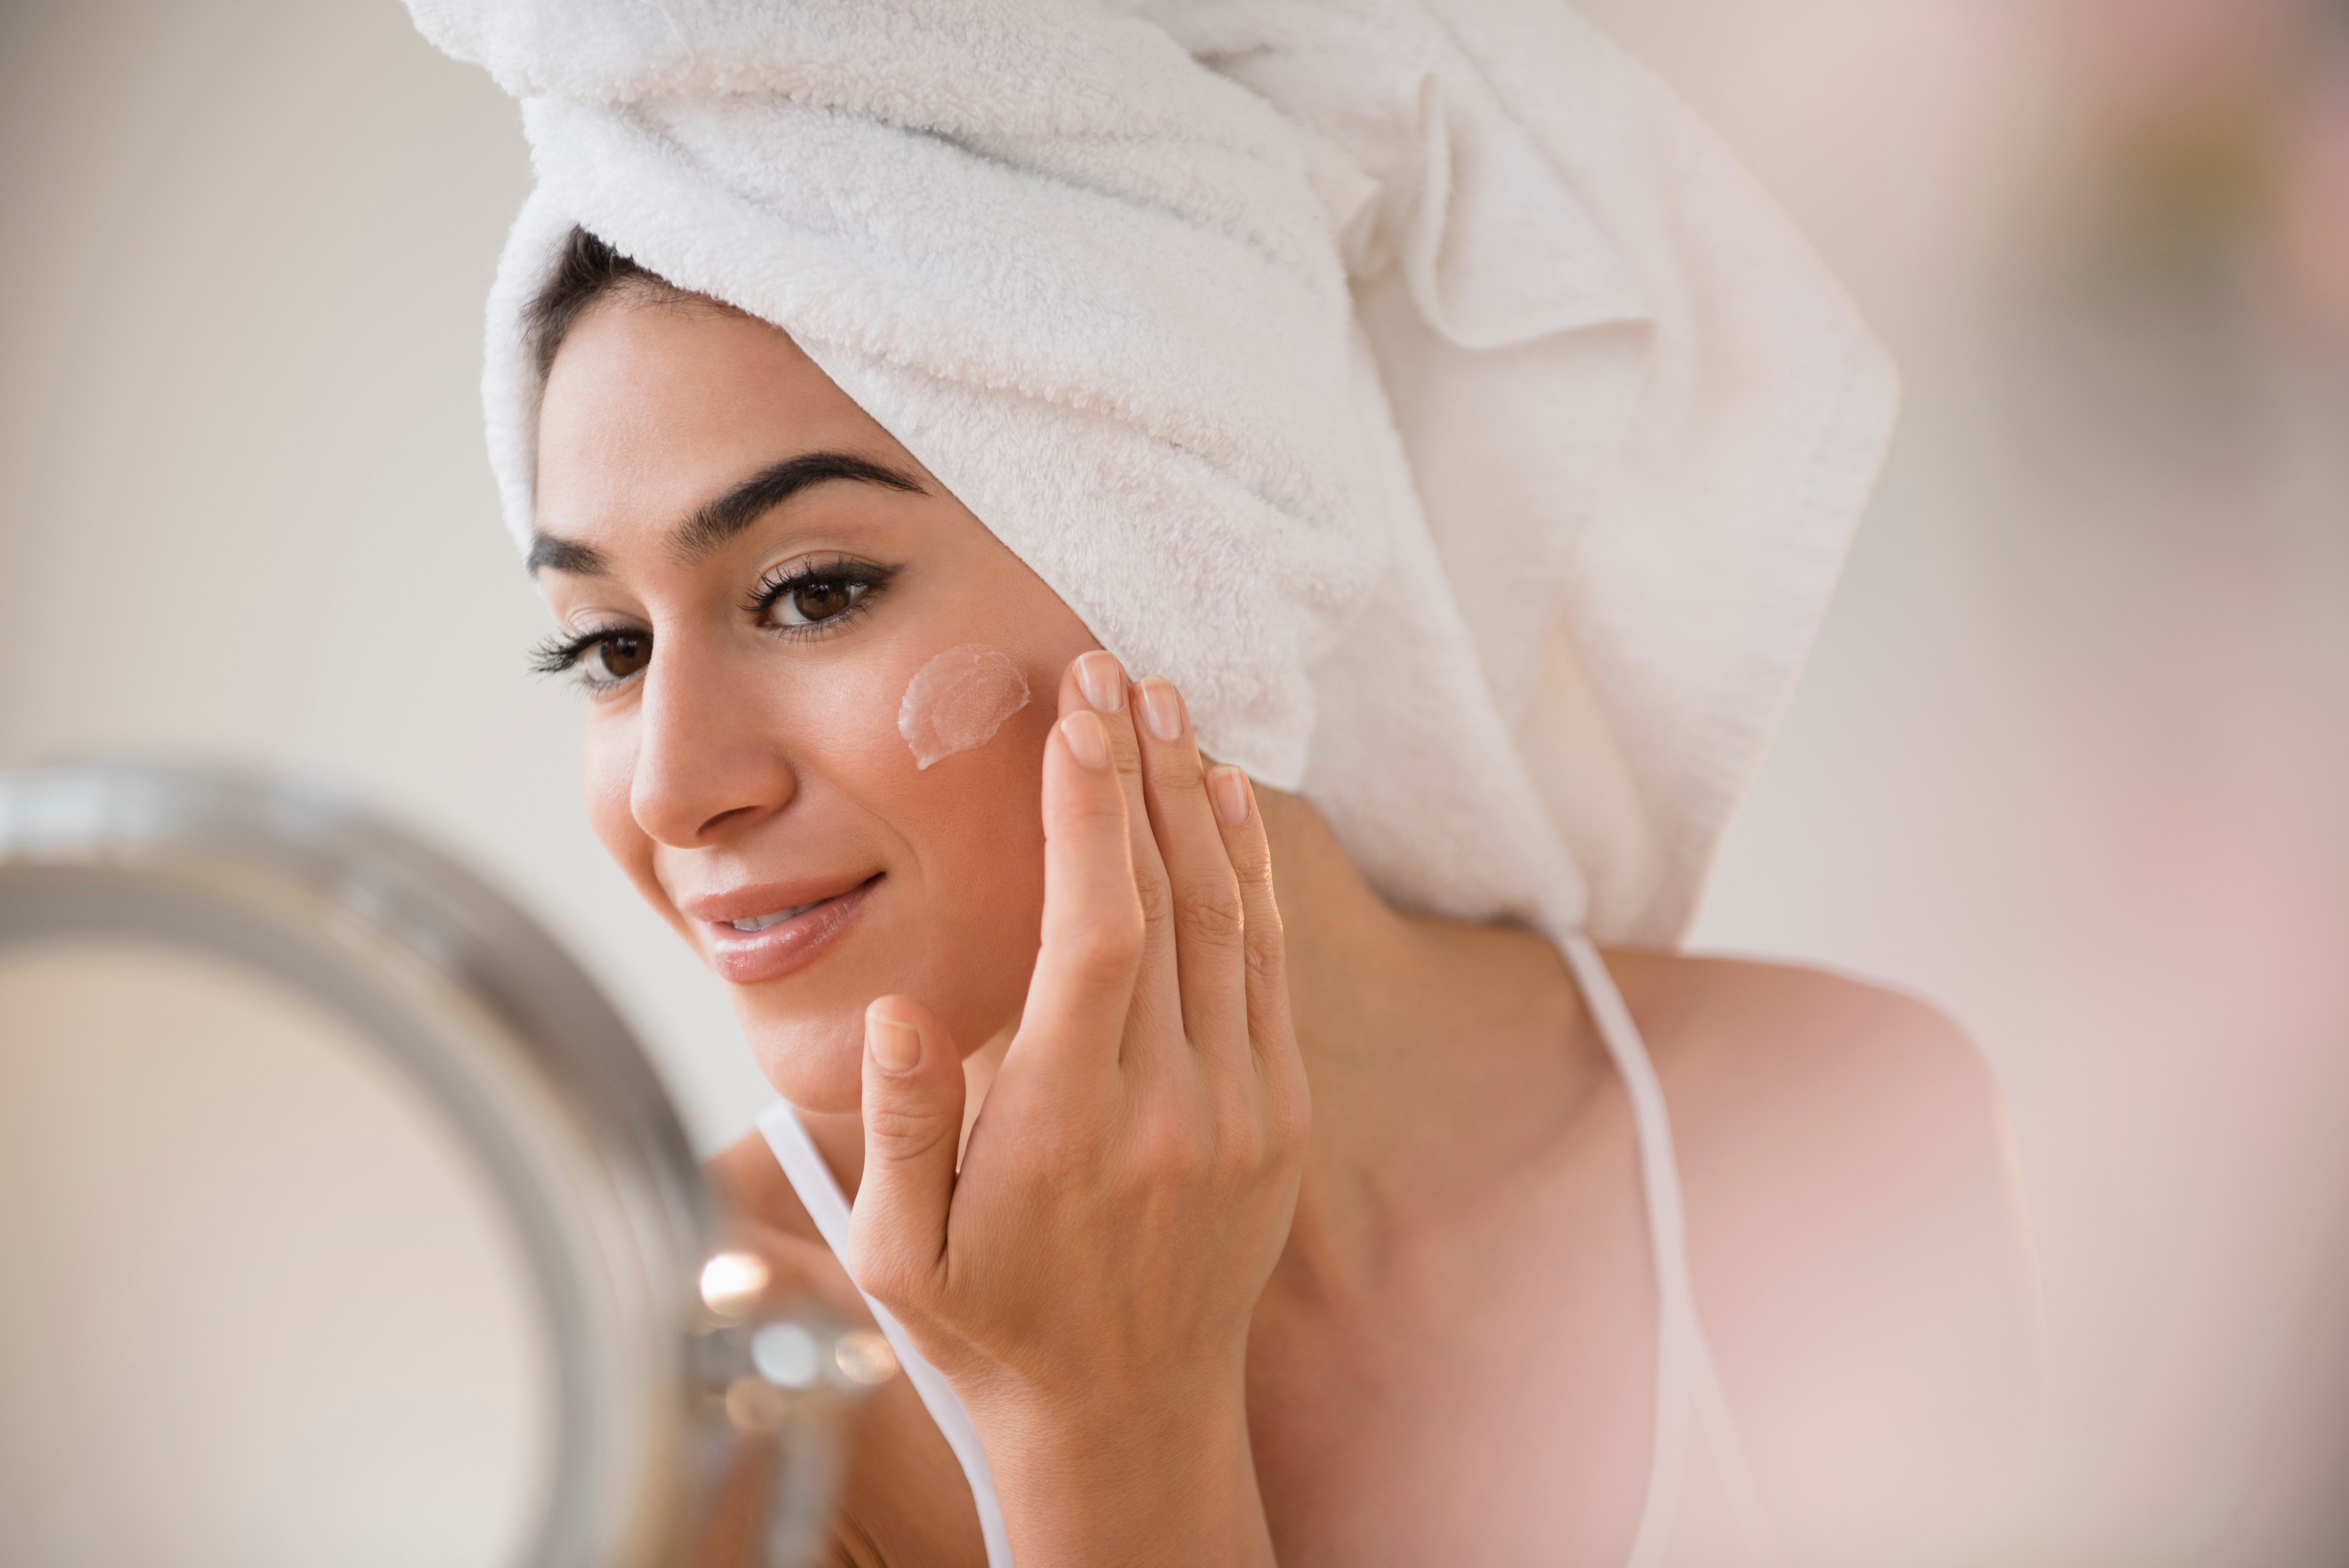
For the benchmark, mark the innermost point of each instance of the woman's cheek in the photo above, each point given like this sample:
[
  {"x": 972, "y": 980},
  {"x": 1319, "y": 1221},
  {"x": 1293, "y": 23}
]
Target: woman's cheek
[
  {"x": 959, "y": 701},
  {"x": 607, "y": 777},
  {"x": 989, "y": 836}
]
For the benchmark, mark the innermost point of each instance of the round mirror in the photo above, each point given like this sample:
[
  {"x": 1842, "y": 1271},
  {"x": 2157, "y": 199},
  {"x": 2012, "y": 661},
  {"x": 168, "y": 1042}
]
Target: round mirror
[
  {"x": 254, "y": 1280},
  {"x": 344, "y": 1222}
]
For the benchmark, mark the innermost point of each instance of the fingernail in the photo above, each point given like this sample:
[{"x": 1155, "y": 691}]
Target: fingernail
[
  {"x": 1102, "y": 680},
  {"x": 1087, "y": 741},
  {"x": 897, "y": 1047},
  {"x": 1161, "y": 709},
  {"x": 1227, "y": 787}
]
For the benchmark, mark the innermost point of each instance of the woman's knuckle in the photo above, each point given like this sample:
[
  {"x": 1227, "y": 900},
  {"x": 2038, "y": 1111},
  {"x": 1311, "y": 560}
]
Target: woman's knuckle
[
  {"x": 1267, "y": 955},
  {"x": 1107, "y": 945},
  {"x": 1168, "y": 767},
  {"x": 1247, "y": 1146},
  {"x": 1212, "y": 916},
  {"x": 904, "y": 1131},
  {"x": 883, "y": 1271},
  {"x": 1155, "y": 897},
  {"x": 1097, "y": 830},
  {"x": 1169, "y": 1152},
  {"x": 1251, "y": 859}
]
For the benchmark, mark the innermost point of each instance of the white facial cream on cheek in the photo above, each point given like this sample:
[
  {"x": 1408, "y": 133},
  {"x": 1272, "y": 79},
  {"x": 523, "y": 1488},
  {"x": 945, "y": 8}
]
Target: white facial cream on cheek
[{"x": 958, "y": 700}]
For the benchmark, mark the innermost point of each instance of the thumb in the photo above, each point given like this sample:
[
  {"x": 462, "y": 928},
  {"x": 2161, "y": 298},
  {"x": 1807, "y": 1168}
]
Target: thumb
[{"x": 913, "y": 1128}]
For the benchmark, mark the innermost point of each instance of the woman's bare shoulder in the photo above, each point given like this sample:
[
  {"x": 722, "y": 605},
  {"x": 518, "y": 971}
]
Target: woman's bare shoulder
[
  {"x": 1727, "y": 1013},
  {"x": 1798, "y": 1069},
  {"x": 1857, "y": 1230}
]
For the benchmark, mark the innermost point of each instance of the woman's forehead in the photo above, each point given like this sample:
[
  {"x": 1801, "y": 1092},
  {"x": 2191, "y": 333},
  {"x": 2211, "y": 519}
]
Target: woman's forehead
[
  {"x": 658, "y": 411},
  {"x": 637, "y": 377}
]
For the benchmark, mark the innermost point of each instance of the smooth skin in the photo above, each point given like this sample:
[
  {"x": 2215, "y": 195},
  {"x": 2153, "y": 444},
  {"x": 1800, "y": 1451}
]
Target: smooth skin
[{"x": 1287, "y": 1226}]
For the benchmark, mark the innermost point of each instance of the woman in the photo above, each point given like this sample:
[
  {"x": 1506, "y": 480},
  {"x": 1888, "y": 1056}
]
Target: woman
[{"x": 1251, "y": 1156}]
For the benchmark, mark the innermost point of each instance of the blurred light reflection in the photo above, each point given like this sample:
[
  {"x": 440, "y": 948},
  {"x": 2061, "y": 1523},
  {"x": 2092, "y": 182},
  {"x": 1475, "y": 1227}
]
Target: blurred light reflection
[{"x": 2073, "y": 752}]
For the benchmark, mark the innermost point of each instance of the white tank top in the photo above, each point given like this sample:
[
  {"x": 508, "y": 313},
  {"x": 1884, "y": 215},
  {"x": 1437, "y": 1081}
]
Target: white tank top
[{"x": 1689, "y": 1398}]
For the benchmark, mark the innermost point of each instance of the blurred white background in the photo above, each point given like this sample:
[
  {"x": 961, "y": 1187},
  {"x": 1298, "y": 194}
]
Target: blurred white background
[{"x": 2073, "y": 757}]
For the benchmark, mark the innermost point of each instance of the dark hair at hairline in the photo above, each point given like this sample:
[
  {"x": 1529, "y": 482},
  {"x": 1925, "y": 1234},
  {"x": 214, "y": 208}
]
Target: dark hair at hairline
[{"x": 586, "y": 271}]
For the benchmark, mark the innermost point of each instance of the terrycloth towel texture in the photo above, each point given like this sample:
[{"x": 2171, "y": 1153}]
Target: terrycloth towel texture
[{"x": 1412, "y": 380}]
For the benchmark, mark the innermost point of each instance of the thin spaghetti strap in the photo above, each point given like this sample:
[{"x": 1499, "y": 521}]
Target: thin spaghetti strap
[
  {"x": 811, "y": 1179},
  {"x": 1687, "y": 1386},
  {"x": 1729, "y": 1460}
]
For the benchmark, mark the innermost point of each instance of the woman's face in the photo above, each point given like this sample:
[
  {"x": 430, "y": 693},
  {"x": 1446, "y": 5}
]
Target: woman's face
[{"x": 746, "y": 572}]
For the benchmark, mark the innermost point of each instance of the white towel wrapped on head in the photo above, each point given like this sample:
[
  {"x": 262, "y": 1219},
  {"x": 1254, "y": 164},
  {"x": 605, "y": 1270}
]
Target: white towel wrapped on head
[{"x": 1412, "y": 381}]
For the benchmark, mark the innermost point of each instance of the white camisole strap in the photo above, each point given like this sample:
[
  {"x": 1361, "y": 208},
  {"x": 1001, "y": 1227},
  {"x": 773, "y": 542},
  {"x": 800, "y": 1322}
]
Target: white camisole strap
[
  {"x": 812, "y": 1180},
  {"x": 1687, "y": 1386},
  {"x": 1688, "y": 1390}
]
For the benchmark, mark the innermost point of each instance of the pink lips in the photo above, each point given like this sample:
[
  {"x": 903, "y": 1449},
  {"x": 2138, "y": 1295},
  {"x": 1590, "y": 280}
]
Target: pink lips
[{"x": 747, "y": 957}]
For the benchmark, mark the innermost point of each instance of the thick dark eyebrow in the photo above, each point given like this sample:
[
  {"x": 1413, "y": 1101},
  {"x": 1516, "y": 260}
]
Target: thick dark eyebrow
[
  {"x": 545, "y": 550},
  {"x": 716, "y": 521},
  {"x": 719, "y": 521}
]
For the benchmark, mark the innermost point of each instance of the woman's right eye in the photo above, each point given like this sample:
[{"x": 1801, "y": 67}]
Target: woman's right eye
[
  {"x": 610, "y": 660},
  {"x": 602, "y": 658}
]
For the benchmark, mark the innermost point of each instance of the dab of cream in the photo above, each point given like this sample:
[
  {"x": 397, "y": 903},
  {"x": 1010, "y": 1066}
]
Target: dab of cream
[{"x": 959, "y": 700}]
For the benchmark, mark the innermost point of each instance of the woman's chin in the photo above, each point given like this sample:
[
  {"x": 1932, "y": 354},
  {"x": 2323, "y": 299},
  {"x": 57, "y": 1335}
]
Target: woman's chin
[
  {"x": 818, "y": 1066},
  {"x": 815, "y": 1059},
  {"x": 806, "y": 1031}
]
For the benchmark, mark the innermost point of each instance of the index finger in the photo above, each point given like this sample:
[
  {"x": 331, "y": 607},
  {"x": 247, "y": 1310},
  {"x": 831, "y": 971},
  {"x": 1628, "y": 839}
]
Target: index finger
[{"x": 1092, "y": 933}]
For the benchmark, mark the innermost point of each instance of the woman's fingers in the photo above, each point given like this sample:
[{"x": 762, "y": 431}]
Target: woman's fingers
[
  {"x": 1124, "y": 1195},
  {"x": 1264, "y": 947},
  {"x": 1154, "y": 948},
  {"x": 1097, "y": 681},
  {"x": 913, "y": 1130},
  {"x": 1206, "y": 915},
  {"x": 1082, "y": 989}
]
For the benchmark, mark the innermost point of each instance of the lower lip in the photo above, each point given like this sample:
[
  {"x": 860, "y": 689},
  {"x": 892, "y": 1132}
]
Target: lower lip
[{"x": 747, "y": 957}]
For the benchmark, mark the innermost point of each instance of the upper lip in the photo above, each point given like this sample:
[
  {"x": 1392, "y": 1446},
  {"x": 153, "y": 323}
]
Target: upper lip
[{"x": 754, "y": 899}]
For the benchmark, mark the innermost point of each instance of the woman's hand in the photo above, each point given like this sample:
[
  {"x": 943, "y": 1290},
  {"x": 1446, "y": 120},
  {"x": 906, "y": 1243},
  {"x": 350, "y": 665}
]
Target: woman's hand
[{"x": 1086, "y": 1280}]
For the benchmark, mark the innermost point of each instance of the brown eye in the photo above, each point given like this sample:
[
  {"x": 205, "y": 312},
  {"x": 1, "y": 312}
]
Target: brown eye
[
  {"x": 821, "y": 601},
  {"x": 617, "y": 657},
  {"x": 817, "y": 599}
]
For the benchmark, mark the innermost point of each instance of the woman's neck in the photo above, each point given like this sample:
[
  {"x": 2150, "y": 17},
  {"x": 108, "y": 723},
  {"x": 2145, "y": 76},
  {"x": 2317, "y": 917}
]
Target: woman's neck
[{"x": 1437, "y": 1050}]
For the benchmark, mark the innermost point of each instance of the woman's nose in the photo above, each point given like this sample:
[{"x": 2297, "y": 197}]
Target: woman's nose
[{"x": 707, "y": 764}]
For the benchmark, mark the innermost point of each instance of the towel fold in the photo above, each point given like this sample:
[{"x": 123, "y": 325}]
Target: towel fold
[{"x": 1412, "y": 381}]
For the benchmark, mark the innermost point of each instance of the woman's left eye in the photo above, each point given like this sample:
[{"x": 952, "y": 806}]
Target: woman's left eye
[
  {"x": 819, "y": 595},
  {"x": 816, "y": 599}
]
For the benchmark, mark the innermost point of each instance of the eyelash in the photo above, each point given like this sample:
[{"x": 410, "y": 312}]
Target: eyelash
[
  {"x": 559, "y": 653},
  {"x": 784, "y": 581}
]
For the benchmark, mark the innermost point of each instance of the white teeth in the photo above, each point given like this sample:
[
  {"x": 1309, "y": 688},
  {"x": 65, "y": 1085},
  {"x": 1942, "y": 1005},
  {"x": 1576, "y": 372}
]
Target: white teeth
[{"x": 760, "y": 922}]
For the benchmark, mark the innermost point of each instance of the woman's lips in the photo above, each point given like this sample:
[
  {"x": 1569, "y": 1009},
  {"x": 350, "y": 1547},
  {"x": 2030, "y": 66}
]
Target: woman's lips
[{"x": 747, "y": 957}]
